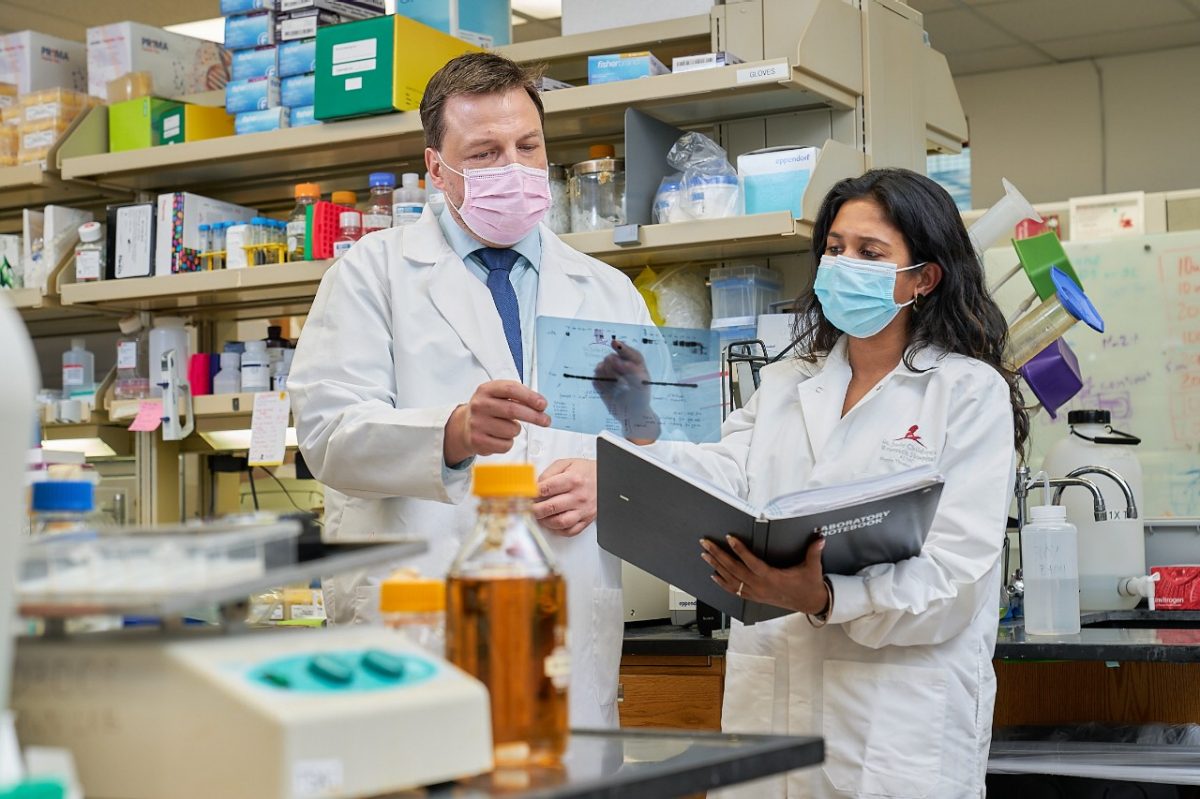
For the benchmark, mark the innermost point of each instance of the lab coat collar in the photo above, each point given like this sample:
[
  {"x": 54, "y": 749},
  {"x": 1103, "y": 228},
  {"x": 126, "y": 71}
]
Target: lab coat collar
[{"x": 923, "y": 360}]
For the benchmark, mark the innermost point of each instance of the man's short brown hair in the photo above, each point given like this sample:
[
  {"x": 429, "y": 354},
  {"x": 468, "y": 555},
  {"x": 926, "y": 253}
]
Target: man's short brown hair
[{"x": 474, "y": 73}]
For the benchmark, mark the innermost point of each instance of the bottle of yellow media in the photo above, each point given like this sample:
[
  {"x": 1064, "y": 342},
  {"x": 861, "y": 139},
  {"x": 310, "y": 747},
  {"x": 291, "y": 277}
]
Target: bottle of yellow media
[{"x": 506, "y": 619}]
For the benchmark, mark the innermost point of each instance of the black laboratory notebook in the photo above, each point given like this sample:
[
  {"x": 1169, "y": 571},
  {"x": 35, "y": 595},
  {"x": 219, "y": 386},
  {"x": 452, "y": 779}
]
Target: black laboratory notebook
[{"x": 654, "y": 516}]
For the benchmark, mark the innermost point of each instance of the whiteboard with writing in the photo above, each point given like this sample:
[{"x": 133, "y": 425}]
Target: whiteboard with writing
[{"x": 1145, "y": 367}]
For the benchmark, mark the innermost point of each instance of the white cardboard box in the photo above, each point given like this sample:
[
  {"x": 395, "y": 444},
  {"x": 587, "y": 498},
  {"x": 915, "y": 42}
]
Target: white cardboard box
[
  {"x": 34, "y": 61},
  {"x": 774, "y": 179},
  {"x": 691, "y": 63},
  {"x": 179, "y": 64},
  {"x": 585, "y": 16},
  {"x": 180, "y": 215}
]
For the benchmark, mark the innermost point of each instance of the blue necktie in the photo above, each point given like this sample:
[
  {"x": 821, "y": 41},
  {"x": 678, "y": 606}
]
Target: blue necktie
[{"x": 499, "y": 264}]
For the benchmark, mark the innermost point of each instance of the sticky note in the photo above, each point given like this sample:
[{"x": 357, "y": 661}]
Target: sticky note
[{"x": 149, "y": 417}]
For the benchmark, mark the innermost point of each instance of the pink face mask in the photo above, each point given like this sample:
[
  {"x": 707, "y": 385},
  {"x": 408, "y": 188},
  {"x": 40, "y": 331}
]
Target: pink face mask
[{"x": 503, "y": 204}]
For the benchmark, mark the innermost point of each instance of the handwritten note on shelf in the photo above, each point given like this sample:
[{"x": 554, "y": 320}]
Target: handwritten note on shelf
[
  {"x": 149, "y": 417},
  {"x": 268, "y": 428}
]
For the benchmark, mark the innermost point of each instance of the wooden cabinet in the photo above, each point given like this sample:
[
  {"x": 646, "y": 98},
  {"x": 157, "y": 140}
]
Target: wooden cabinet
[{"x": 672, "y": 691}]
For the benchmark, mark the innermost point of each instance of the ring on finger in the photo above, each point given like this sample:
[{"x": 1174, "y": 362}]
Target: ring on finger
[{"x": 740, "y": 587}]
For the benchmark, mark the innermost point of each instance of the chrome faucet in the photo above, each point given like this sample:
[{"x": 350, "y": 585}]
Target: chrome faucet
[
  {"x": 1025, "y": 483},
  {"x": 1131, "y": 511}
]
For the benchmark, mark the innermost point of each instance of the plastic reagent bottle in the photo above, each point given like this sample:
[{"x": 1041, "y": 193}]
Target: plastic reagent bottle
[
  {"x": 434, "y": 197},
  {"x": 133, "y": 379},
  {"x": 379, "y": 205},
  {"x": 89, "y": 255},
  {"x": 506, "y": 618},
  {"x": 1050, "y": 559},
  {"x": 79, "y": 377},
  {"x": 349, "y": 231},
  {"x": 256, "y": 372},
  {"x": 229, "y": 379},
  {"x": 408, "y": 200},
  {"x": 306, "y": 194}
]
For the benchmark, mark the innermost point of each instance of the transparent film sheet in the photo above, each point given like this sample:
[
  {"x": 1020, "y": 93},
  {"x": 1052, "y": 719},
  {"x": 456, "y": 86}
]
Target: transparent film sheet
[{"x": 639, "y": 381}]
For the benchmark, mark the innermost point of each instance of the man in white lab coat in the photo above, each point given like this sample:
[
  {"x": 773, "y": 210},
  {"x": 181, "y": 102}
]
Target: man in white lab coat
[{"x": 419, "y": 358}]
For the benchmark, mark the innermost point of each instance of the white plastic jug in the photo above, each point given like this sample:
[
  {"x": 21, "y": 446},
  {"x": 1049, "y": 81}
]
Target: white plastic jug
[
  {"x": 1113, "y": 550},
  {"x": 1049, "y": 557}
]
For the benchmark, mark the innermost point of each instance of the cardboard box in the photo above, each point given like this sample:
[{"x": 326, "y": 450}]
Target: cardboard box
[
  {"x": 258, "y": 62},
  {"x": 303, "y": 116},
  {"x": 251, "y": 95},
  {"x": 191, "y": 122},
  {"x": 229, "y": 7},
  {"x": 483, "y": 23},
  {"x": 691, "y": 63},
  {"x": 623, "y": 66},
  {"x": 297, "y": 57},
  {"x": 245, "y": 31},
  {"x": 179, "y": 64},
  {"x": 775, "y": 179},
  {"x": 375, "y": 66},
  {"x": 180, "y": 215},
  {"x": 350, "y": 9},
  {"x": 585, "y": 16},
  {"x": 135, "y": 124},
  {"x": 31, "y": 61},
  {"x": 305, "y": 24},
  {"x": 260, "y": 121},
  {"x": 297, "y": 90},
  {"x": 130, "y": 241}
]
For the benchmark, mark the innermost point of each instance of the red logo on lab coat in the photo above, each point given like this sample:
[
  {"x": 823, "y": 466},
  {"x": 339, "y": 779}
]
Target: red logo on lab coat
[{"x": 911, "y": 435}]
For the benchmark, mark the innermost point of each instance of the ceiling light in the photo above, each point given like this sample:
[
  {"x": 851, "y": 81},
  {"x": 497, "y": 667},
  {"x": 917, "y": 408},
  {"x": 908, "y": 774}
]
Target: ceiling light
[{"x": 212, "y": 30}]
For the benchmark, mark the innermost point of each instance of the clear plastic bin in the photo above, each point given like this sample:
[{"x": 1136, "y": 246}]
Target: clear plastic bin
[
  {"x": 737, "y": 328},
  {"x": 744, "y": 291},
  {"x": 151, "y": 565}
]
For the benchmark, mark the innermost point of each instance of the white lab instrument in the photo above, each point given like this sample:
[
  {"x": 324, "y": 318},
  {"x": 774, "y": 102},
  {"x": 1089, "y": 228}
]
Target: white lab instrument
[
  {"x": 1115, "y": 548},
  {"x": 645, "y": 595},
  {"x": 176, "y": 395},
  {"x": 168, "y": 333},
  {"x": 204, "y": 712},
  {"x": 269, "y": 715},
  {"x": 1051, "y": 565},
  {"x": 999, "y": 220}
]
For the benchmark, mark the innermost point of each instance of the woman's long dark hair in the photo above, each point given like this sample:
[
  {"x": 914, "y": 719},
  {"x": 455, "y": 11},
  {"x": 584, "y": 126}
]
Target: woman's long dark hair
[{"x": 958, "y": 316}]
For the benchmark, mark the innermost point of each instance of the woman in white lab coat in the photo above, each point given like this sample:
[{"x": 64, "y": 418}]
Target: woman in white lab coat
[{"x": 899, "y": 365}]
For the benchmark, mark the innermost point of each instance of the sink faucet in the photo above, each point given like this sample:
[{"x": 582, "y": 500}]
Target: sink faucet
[
  {"x": 1131, "y": 511},
  {"x": 1016, "y": 584}
]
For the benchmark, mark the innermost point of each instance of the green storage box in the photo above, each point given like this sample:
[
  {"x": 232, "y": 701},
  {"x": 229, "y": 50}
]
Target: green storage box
[
  {"x": 378, "y": 65},
  {"x": 135, "y": 124},
  {"x": 1039, "y": 254}
]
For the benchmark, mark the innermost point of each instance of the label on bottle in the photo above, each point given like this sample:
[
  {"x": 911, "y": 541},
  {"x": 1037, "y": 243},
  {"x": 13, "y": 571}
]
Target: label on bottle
[
  {"x": 127, "y": 355},
  {"x": 340, "y": 248},
  {"x": 406, "y": 213},
  {"x": 73, "y": 375},
  {"x": 295, "y": 235},
  {"x": 376, "y": 221},
  {"x": 557, "y": 667},
  {"x": 87, "y": 265}
]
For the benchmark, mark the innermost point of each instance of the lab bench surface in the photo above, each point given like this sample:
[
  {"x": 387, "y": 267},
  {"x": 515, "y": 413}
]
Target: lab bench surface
[
  {"x": 1110, "y": 636},
  {"x": 641, "y": 765}
]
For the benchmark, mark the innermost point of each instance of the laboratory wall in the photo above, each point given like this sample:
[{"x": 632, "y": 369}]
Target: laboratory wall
[{"x": 1122, "y": 123}]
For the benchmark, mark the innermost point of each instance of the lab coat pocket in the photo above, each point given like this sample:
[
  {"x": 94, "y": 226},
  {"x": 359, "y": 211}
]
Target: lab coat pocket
[
  {"x": 608, "y": 628},
  {"x": 749, "y": 704},
  {"x": 883, "y": 726}
]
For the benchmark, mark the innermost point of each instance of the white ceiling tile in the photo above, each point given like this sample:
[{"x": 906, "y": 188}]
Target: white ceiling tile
[
  {"x": 995, "y": 59},
  {"x": 1128, "y": 41},
  {"x": 961, "y": 31},
  {"x": 1042, "y": 20}
]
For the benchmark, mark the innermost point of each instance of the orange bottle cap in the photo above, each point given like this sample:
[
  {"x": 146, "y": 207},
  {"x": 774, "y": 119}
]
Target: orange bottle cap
[{"x": 504, "y": 480}]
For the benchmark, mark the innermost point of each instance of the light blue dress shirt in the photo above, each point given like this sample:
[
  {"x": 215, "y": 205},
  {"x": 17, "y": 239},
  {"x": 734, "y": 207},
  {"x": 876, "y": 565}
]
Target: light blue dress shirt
[{"x": 524, "y": 275}]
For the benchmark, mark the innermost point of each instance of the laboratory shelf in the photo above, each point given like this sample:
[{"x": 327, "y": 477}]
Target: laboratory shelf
[
  {"x": 205, "y": 406},
  {"x": 235, "y": 163},
  {"x": 281, "y": 289},
  {"x": 565, "y": 57},
  {"x": 32, "y": 186}
]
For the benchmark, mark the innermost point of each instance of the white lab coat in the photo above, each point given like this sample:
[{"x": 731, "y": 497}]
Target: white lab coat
[
  {"x": 900, "y": 682},
  {"x": 400, "y": 334}
]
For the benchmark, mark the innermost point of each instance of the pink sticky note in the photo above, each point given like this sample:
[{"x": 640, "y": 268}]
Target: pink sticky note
[{"x": 149, "y": 417}]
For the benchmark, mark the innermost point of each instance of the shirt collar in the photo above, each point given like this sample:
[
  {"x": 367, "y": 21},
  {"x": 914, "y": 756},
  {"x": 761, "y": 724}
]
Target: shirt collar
[{"x": 463, "y": 243}]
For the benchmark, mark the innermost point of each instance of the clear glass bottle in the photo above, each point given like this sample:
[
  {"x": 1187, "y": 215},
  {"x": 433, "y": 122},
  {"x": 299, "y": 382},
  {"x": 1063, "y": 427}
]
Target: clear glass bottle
[
  {"x": 133, "y": 377},
  {"x": 506, "y": 619},
  {"x": 349, "y": 231},
  {"x": 379, "y": 205},
  {"x": 345, "y": 198},
  {"x": 61, "y": 506},
  {"x": 306, "y": 194},
  {"x": 415, "y": 606},
  {"x": 597, "y": 191},
  {"x": 408, "y": 202},
  {"x": 89, "y": 254},
  {"x": 78, "y": 370}
]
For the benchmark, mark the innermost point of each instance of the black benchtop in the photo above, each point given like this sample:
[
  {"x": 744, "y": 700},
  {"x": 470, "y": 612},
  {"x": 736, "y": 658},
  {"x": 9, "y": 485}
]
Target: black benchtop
[{"x": 1133, "y": 635}]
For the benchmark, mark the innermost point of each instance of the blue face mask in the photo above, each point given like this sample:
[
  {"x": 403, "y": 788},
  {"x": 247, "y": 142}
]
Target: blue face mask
[{"x": 858, "y": 297}]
